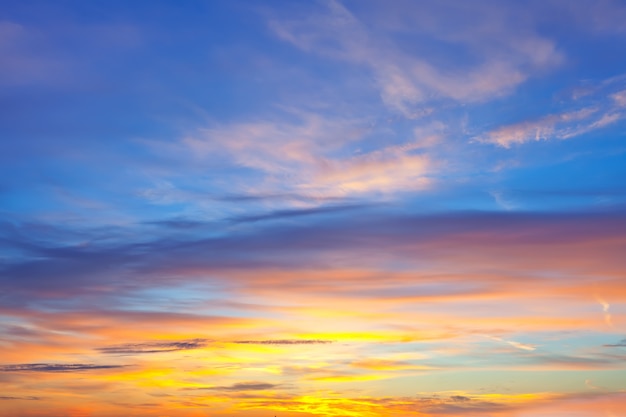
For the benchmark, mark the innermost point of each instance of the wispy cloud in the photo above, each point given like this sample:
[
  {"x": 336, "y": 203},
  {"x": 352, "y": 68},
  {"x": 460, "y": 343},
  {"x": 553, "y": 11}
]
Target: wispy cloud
[
  {"x": 55, "y": 367},
  {"x": 620, "y": 98},
  {"x": 154, "y": 347},
  {"x": 605, "y": 309},
  {"x": 240, "y": 387},
  {"x": 568, "y": 124},
  {"x": 389, "y": 365},
  {"x": 581, "y": 361},
  {"x": 285, "y": 342},
  {"x": 286, "y": 214},
  {"x": 554, "y": 126},
  {"x": 303, "y": 217},
  {"x": 406, "y": 81},
  {"x": 517, "y": 345},
  {"x": 317, "y": 156},
  {"x": 26, "y": 398},
  {"x": 589, "y": 383},
  {"x": 517, "y": 237}
]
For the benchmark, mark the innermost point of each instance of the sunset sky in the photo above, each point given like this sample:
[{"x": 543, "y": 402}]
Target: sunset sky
[{"x": 359, "y": 208}]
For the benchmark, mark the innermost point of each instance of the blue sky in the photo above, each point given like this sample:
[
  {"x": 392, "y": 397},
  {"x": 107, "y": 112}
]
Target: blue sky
[
  {"x": 505, "y": 107},
  {"x": 317, "y": 208}
]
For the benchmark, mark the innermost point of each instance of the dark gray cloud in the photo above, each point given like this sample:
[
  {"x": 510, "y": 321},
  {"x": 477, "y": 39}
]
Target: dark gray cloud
[
  {"x": 177, "y": 223},
  {"x": 241, "y": 386},
  {"x": 284, "y": 342},
  {"x": 285, "y": 214},
  {"x": 55, "y": 367},
  {"x": 154, "y": 347},
  {"x": 460, "y": 398},
  {"x": 279, "y": 197}
]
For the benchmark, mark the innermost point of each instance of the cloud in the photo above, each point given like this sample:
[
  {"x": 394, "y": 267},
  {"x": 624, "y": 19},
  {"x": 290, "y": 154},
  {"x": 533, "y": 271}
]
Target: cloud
[
  {"x": 605, "y": 309},
  {"x": 177, "y": 223},
  {"x": 241, "y": 386},
  {"x": 505, "y": 48},
  {"x": 285, "y": 214},
  {"x": 517, "y": 345},
  {"x": 316, "y": 158},
  {"x": 286, "y": 342},
  {"x": 606, "y": 109},
  {"x": 49, "y": 270},
  {"x": 573, "y": 362},
  {"x": 48, "y": 367},
  {"x": 444, "y": 403},
  {"x": 388, "y": 365},
  {"x": 459, "y": 404},
  {"x": 26, "y": 398},
  {"x": 502, "y": 200},
  {"x": 301, "y": 137},
  {"x": 460, "y": 398},
  {"x": 154, "y": 347},
  {"x": 260, "y": 244},
  {"x": 553, "y": 126},
  {"x": 589, "y": 384},
  {"x": 620, "y": 98},
  {"x": 390, "y": 169},
  {"x": 184, "y": 224}
]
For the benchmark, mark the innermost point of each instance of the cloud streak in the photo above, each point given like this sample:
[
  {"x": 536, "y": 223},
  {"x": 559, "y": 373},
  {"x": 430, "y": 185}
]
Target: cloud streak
[
  {"x": 407, "y": 81},
  {"x": 284, "y": 342},
  {"x": 517, "y": 345},
  {"x": 154, "y": 347},
  {"x": 568, "y": 124},
  {"x": 241, "y": 387},
  {"x": 27, "y": 398},
  {"x": 55, "y": 367}
]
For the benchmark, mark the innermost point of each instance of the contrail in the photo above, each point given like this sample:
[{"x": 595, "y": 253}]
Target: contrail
[{"x": 518, "y": 345}]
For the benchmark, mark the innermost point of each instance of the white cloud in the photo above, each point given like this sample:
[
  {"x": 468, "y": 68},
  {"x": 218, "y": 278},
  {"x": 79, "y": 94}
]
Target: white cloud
[
  {"x": 387, "y": 170},
  {"x": 606, "y": 310},
  {"x": 501, "y": 57},
  {"x": 517, "y": 345},
  {"x": 565, "y": 125},
  {"x": 620, "y": 98},
  {"x": 560, "y": 126},
  {"x": 313, "y": 154}
]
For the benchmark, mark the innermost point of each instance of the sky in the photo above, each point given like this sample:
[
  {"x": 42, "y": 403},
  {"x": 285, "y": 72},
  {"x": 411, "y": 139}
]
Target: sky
[{"x": 333, "y": 208}]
